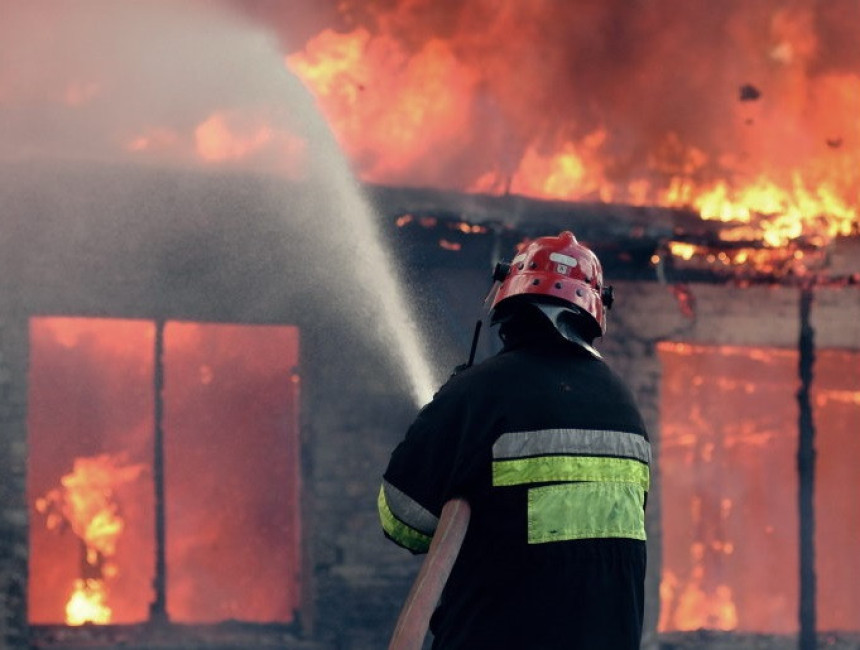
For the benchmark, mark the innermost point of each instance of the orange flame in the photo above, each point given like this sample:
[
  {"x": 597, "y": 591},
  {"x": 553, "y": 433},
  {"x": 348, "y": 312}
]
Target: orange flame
[
  {"x": 86, "y": 503},
  {"x": 778, "y": 215},
  {"x": 777, "y": 163},
  {"x": 88, "y": 603},
  {"x": 225, "y": 138},
  {"x": 217, "y": 141},
  {"x": 387, "y": 133},
  {"x": 689, "y": 606}
]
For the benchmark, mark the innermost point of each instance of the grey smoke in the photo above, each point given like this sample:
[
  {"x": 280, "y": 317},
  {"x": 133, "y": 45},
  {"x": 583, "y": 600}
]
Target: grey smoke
[{"x": 104, "y": 72}]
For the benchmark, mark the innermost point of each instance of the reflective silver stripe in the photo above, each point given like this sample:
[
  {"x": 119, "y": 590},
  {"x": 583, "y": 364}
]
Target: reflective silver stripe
[
  {"x": 525, "y": 444},
  {"x": 408, "y": 510}
]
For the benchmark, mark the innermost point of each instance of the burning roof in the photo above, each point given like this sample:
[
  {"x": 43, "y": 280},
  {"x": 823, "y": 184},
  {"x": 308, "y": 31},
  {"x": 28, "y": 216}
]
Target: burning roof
[
  {"x": 744, "y": 116},
  {"x": 650, "y": 104}
]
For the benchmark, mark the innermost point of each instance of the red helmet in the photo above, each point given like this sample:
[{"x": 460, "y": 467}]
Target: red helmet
[{"x": 559, "y": 268}]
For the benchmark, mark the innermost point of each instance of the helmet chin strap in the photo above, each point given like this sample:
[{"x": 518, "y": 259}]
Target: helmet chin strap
[{"x": 561, "y": 319}]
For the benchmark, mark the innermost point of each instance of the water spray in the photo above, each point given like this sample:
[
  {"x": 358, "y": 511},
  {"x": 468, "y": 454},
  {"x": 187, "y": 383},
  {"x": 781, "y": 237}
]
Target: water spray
[{"x": 374, "y": 266}]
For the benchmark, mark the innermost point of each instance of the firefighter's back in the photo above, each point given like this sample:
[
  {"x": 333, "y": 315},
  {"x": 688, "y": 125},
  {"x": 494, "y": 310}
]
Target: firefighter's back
[{"x": 557, "y": 458}]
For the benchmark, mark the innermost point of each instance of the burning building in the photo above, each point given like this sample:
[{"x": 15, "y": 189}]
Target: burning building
[{"x": 205, "y": 357}]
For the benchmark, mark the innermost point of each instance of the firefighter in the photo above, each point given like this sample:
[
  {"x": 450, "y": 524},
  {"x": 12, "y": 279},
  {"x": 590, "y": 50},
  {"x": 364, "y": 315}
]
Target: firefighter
[{"x": 547, "y": 449}]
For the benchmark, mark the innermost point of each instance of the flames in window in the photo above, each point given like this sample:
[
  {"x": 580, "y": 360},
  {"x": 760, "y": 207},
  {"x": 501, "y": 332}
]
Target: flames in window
[
  {"x": 86, "y": 503},
  {"x": 727, "y": 462},
  {"x": 231, "y": 472}
]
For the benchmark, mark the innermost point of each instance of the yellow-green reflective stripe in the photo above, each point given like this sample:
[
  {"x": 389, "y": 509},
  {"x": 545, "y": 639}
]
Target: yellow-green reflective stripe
[
  {"x": 408, "y": 510},
  {"x": 585, "y": 511},
  {"x": 397, "y": 530},
  {"x": 547, "y": 469}
]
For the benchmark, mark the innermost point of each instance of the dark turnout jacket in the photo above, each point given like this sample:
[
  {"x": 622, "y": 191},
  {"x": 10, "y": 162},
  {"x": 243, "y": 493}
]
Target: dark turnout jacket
[{"x": 546, "y": 444}]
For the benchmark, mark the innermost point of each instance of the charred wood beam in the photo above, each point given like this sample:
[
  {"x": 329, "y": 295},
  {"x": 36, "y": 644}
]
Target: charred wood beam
[
  {"x": 439, "y": 228},
  {"x": 158, "y": 607},
  {"x": 806, "y": 474},
  {"x": 593, "y": 222}
]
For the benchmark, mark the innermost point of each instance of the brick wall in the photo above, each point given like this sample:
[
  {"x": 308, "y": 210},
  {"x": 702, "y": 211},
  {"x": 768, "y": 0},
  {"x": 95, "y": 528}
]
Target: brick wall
[{"x": 13, "y": 507}]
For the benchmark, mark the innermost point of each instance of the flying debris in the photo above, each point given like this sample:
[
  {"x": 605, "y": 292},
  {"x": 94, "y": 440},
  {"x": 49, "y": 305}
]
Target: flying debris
[{"x": 749, "y": 93}]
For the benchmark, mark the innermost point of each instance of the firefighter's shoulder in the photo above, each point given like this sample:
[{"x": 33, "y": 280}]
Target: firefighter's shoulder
[{"x": 465, "y": 378}]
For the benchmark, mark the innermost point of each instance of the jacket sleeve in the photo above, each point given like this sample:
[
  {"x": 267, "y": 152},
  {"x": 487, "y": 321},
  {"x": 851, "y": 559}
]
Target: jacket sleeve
[{"x": 424, "y": 472}]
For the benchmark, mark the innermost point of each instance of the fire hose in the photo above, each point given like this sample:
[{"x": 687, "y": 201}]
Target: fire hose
[{"x": 414, "y": 619}]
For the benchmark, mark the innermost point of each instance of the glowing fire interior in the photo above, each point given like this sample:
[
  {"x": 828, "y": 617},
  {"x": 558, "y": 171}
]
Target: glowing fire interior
[
  {"x": 729, "y": 487},
  {"x": 231, "y": 484}
]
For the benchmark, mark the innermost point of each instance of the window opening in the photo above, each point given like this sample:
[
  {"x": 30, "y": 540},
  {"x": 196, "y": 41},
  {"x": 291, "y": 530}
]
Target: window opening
[
  {"x": 728, "y": 447},
  {"x": 231, "y": 485}
]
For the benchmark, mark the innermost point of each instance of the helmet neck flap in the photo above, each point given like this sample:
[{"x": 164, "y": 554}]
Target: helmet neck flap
[
  {"x": 561, "y": 278},
  {"x": 527, "y": 319}
]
